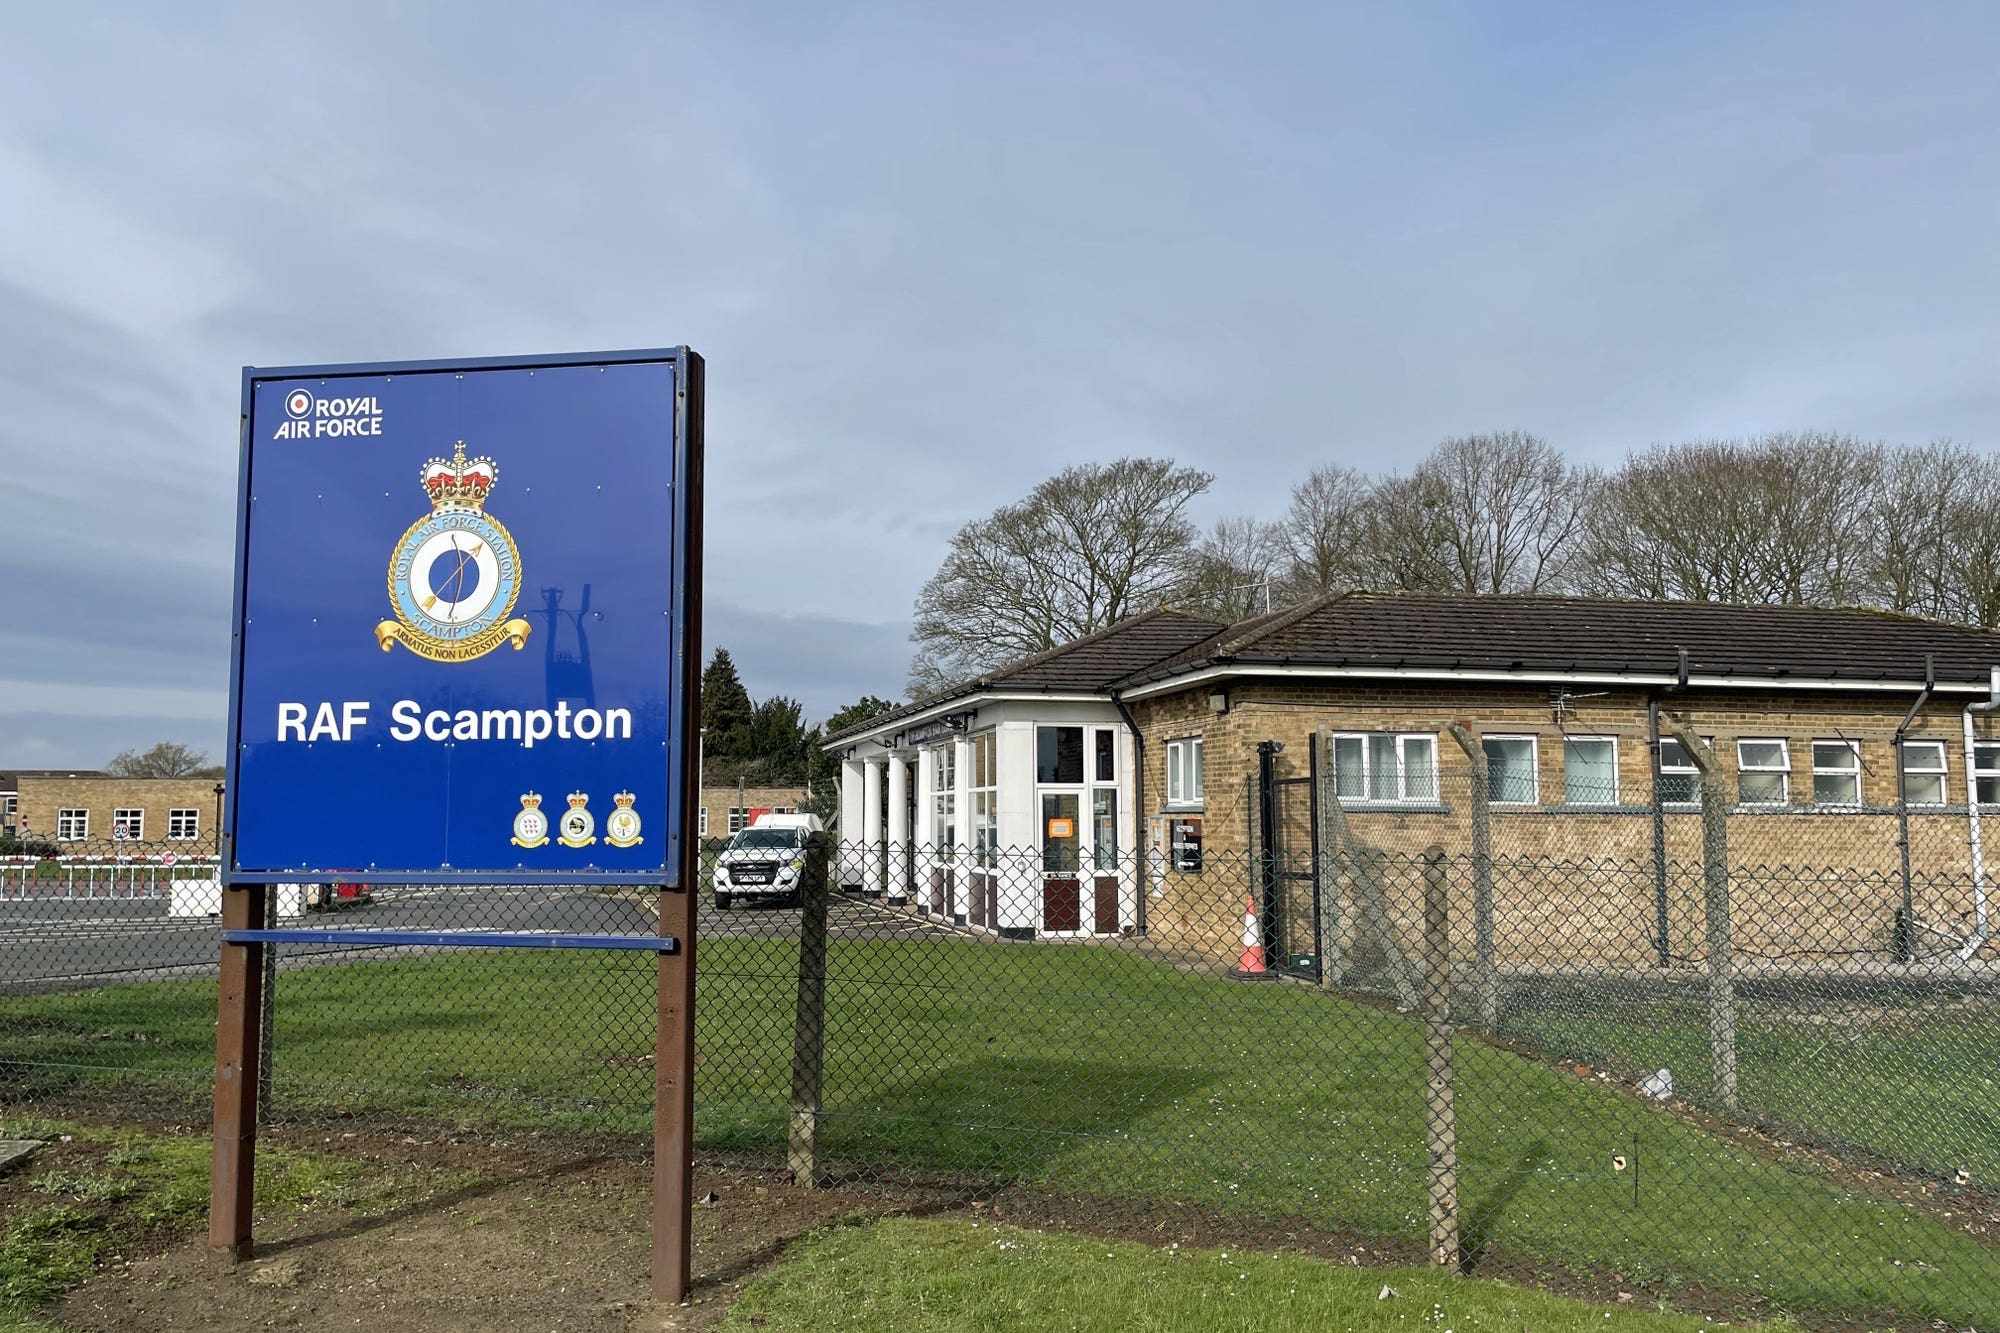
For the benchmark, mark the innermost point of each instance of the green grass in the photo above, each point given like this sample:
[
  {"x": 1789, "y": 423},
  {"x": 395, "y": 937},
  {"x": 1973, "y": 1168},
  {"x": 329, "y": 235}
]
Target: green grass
[
  {"x": 137, "y": 1185},
  {"x": 1078, "y": 1069},
  {"x": 1924, "y": 1092},
  {"x": 938, "y": 1276}
]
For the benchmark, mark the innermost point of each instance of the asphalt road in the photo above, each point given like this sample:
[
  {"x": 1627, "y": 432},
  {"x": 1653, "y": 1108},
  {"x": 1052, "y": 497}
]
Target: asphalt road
[{"x": 48, "y": 943}]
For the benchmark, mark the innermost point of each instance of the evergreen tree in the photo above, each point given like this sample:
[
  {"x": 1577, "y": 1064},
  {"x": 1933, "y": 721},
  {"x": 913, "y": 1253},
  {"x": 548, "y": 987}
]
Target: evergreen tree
[
  {"x": 778, "y": 739},
  {"x": 726, "y": 710}
]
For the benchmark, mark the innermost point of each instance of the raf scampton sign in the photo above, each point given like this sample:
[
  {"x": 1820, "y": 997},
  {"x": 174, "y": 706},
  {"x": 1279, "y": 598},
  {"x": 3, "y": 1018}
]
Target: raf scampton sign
[{"x": 467, "y": 595}]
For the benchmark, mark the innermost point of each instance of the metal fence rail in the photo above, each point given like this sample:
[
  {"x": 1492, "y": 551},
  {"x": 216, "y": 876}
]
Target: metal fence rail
[{"x": 1758, "y": 1071}]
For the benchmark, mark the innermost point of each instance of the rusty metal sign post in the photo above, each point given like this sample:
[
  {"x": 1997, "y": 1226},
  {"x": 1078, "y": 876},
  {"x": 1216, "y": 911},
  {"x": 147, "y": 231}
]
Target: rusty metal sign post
[{"x": 595, "y": 462}]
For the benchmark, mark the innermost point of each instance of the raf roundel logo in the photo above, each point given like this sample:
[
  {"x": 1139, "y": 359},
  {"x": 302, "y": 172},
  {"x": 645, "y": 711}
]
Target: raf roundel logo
[
  {"x": 454, "y": 575},
  {"x": 298, "y": 403}
]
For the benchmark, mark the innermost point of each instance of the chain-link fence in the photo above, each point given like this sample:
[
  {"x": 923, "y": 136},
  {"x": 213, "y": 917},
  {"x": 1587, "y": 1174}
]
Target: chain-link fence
[{"x": 1739, "y": 1059}]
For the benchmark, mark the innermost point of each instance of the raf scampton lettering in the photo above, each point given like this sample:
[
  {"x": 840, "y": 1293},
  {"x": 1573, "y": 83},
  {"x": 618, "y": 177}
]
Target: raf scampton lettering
[{"x": 343, "y": 721}]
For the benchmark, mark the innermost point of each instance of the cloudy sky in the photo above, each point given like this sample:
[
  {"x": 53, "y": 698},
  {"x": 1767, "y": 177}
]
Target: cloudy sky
[{"x": 936, "y": 252}]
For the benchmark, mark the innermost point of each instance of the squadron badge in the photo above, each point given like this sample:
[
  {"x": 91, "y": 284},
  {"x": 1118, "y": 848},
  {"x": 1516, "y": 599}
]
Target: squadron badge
[
  {"x": 531, "y": 826},
  {"x": 455, "y": 574},
  {"x": 621, "y": 826},
  {"x": 579, "y": 826}
]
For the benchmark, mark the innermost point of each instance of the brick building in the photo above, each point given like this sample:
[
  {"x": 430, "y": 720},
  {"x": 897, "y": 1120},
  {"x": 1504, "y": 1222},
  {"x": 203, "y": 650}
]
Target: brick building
[
  {"x": 94, "y": 811},
  {"x": 1822, "y": 721},
  {"x": 725, "y": 810}
]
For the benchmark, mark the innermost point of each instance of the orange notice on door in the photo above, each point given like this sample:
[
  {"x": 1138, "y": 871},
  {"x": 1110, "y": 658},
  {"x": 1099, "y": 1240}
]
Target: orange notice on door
[{"x": 1062, "y": 828}]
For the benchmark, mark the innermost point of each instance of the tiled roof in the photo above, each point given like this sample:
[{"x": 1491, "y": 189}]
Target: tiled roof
[
  {"x": 1092, "y": 664},
  {"x": 1595, "y": 635}
]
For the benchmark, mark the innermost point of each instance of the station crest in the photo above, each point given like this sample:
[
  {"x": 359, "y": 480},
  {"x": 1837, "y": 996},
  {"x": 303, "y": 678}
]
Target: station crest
[{"x": 455, "y": 574}]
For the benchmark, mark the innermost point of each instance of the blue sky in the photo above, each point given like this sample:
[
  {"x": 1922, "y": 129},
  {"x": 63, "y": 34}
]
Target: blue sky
[{"x": 934, "y": 253}]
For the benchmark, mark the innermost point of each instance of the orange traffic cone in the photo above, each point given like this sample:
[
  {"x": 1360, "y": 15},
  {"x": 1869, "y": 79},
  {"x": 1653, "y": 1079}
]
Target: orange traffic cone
[{"x": 1252, "y": 963}]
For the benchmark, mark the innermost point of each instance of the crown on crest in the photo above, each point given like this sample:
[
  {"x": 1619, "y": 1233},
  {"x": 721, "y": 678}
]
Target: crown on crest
[
  {"x": 531, "y": 800},
  {"x": 459, "y": 482},
  {"x": 623, "y": 800},
  {"x": 578, "y": 800}
]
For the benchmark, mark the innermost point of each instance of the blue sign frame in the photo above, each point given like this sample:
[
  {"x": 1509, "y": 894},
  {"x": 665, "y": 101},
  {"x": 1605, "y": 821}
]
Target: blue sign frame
[{"x": 598, "y": 456}]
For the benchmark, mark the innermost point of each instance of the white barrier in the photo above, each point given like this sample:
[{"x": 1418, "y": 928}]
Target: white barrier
[{"x": 203, "y": 897}]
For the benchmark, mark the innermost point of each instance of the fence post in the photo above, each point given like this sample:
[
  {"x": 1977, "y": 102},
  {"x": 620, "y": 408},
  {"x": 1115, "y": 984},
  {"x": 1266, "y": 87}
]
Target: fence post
[
  {"x": 1326, "y": 878},
  {"x": 1715, "y": 914},
  {"x": 809, "y": 1020},
  {"x": 1485, "y": 972},
  {"x": 1440, "y": 1127}
]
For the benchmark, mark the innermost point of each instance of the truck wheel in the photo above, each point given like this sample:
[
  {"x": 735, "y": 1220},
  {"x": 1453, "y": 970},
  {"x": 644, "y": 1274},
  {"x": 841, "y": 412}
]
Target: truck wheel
[{"x": 722, "y": 901}]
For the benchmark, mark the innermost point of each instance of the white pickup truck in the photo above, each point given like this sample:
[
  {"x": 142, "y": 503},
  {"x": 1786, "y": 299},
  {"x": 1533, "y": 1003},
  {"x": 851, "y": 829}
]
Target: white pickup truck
[{"x": 765, "y": 860}]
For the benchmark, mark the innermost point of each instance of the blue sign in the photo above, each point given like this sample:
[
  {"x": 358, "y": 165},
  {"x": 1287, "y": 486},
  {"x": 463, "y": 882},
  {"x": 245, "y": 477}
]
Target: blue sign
[{"x": 467, "y": 605}]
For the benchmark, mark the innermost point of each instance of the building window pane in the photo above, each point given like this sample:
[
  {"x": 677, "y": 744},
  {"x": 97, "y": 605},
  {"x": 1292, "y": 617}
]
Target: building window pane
[
  {"x": 1184, "y": 771},
  {"x": 944, "y": 797},
  {"x": 1104, "y": 827},
  {"x": 1419, "y": 768},
  {"x": 985, "y": 801},
  {"x": 184, "y": 825},
  {"x": 1763, "y": 773},
  {"x": 1059, "y": 754},
  {"x": 1923, "y": 772},
  {"x": 1836, "y": 772},
  {"x": 1510, "y": 769},
  {"x": 72, "y": 825},
  {"x": 1680, "y": 781},
  {"x": 1590, "y": 770},
  {"x": 1348, "y": 769},
  {"x": 704, "y": 821},
  {"x": 1986, "y": 771},
  {"x": 128, "y": 824},
  {"x": 1106, "y": 741}
]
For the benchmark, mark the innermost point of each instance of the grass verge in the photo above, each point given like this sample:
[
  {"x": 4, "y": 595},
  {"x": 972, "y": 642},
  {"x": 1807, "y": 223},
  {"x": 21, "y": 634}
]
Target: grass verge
[
  {"x": 1078, "y": 1069},
  {"x": 905, "y": 1274}
]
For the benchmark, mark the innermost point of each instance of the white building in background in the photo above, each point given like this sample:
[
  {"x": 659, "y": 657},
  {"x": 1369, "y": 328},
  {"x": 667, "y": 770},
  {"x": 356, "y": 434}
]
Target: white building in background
[{"x": 1010, "y": 803}]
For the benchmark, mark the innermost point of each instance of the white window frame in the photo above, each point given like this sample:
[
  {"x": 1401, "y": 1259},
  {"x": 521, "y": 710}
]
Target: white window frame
[
  {"x": 1986, "y": 773},
  {"x": 1687, "y": 770},
  {"x": 1852, "y": 770},
  {"x": 132, "y": 820},
  {"x": 1534, "y": 766},
  {"x": 1184, "y": 779},
  {"x": 184, "y": 823},
  {"x": 72, "y": 825},
  {"x": 702, "y": 826},
  {"x": 1403, "y": 740},
  {"x": 739, "y": 819},
  {"x": 982, "y": 776},
  {"x": 10, "y": 805},
  {"x": 1783, "y": 771},
  {"x": 1612, "y": 741},
  {"x": 1941, "y": 774}
]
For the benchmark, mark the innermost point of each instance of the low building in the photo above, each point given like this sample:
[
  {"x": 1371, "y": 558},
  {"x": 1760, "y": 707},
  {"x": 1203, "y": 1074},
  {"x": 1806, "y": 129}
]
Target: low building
[
  {"x": 1852, "y": 765},
  {"x": 96, "y": 811},
  {"x": 726, "y": 810},
  {"x": 10, "y": 790}
]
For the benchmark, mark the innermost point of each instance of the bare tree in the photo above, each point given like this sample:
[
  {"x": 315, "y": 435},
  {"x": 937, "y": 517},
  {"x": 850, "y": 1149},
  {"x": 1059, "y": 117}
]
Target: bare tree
[
  {"x": 1970, "y": 562},
  {"x": 1919, "y": 495},
  {"x": 1090, "y": 545},
  {"x": 168, "y": 759},
  {"x": 1235, "y": 573},
  {"x": 1781, "y": 518},
  {"x": 1322, "y": 533}
]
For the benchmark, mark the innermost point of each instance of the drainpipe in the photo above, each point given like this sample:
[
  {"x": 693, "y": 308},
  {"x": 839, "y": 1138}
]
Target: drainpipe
[
  {"x": 1660, "y": 931},
  {"x": 1905, "y": 934},
  {"x": 1980, "y": 929},
  {"x": 1140, "y": 852}
]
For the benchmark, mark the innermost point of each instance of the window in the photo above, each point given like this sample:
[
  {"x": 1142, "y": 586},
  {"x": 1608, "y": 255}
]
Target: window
[
  {"x": 72, "y": 825},
  {"x": 1923, "y": 773},
  {"x": 1680, "y": 780},
  {"x": 1184, "y": 772},
  {"x": 984, "y": 786},
  {"x": 1510, "y": 769},
  {"x": 1382, "y": 766},
  {"x": 738, "y": 819},
  {"x": 1059, "y": 754},
  {"x": 128, "y": 822},
  {"x": 1106, "y": 741},
  {"x": 1836, "y": 772},
  {"x": 703, "y": 829},
  {"x": 184, "y": 825},
  {"x": 944, "y": 796},
  {"x": 1763, "y": 773},
  {"x": 1986, "y": 771},
  {"x": 9, "y": 803},
  {"x": 1590, "y": 770}
]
